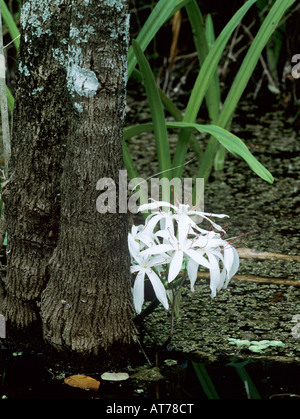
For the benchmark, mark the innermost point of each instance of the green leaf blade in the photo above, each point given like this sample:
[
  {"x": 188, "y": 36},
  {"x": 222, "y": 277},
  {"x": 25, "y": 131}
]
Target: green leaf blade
[
  {"x": 156, "y": 109},
  {"x": 161, "y": 12},
  {"x": 232, "y": 143},
  {"x": 12, "y": 27},
  {"x": 203, "y": 81}
]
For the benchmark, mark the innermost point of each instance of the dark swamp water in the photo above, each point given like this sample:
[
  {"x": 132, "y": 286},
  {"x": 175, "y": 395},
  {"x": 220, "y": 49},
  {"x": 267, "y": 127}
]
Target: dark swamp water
[{"x": 260, "y": 303}]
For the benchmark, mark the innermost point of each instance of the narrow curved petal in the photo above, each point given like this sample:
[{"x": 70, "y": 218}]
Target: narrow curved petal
[
  {"x": 236, "y": 262},
  {"x": 158, "y": 287},
  {"x": 135, "y": 268},
  {"x": 175, "y": 265},
  {"x": 151, "y": 221},
  {"x": 160, "y": 259},
  {"x": 166, "y": 222},
  {"x": 184, "y": 227},
  {"x": 231, "y": 263},
  {"x": 223, "y": 279},
  {"x": 214, "y": 282},
  {"x": 197, "y": 257},
  {"x": 138, "y": 292},
  {"x": 214, "y": 275},
  {"x": 157, "y": 249},
  {"x": 210, "y": 214},
  {"x": 155, "y": 205},
  {"x": 165, "y": 235},
  {"x": 133, "y": 245},
  {"x": 192, "y": 269}
]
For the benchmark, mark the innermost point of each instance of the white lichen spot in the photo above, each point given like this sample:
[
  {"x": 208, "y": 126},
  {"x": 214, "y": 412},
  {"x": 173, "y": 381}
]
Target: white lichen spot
[
  {"x": 117, "y": 4},
  {"x": 80, "y": 80},
  {"x": 37, "y": 90},
  {"x": 23, "y": 69},
  {"x": 35, "y": 14},
  {"x": 74, "y": 32},
  {"x": 74, "y": 56},
  {"x": 58, "y": 55},
  {"x": 84, "y": 82},
  {"x": 82, "y": 34},
  {"x": 78, "y": 107}
]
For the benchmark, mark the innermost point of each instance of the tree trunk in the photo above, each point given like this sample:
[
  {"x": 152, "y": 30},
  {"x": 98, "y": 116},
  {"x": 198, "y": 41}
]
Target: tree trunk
[
  {"x": 31, "y": 195},
  {"x": 80, "y": 272}
]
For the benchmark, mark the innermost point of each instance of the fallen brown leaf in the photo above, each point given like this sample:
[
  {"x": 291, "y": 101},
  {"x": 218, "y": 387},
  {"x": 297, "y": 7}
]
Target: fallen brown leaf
[{"x": 82, "y": 381}]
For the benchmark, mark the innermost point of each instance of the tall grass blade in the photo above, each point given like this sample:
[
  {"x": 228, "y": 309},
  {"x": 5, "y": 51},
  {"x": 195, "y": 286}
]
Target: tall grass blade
[
  {"x": 216, "y": 98},
  {"x": 205, "y": 380},
  {"x": 156, "y": 109},
  {"x": 132, "y": 173},
  {"x": 204, "y": 39},
  {"x": 163, "y": 10},
  {"x": 3, "y": 104},
  {"x": 213, "y": 94},
  {"x": 203, "y": 81},
  {"x": 12, "y": 27},
  {"x": 230, "y": 141},
  {"x": 250, "y": 387},
  {"x": 176, "y": 113},
  {"x": 241, "y": 80},
  {"x": 157, "y": 114},
  {"x": 10, "y": 100}
]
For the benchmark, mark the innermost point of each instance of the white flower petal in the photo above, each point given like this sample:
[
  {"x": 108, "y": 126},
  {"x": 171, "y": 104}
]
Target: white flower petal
[
  {"x": 160, "y": 259},
  {"x": 231, "y": 262},
  {"x": 135, "y": 268},
  {"x": 155, "y": 205},
  {"x": 179, "y": 238},
  {"x": 151, "y": 221},
  {"x": 197, "y": 257},
  {"x": 214, "y": 215},
  {"x": 159, "y": 289},
  {"x": 157, "y": 249},
  {"x": 184, "y": 226},
  {"x": 175, "y": 265},
  {"x": 133, "y": 245},
  {"x": 214, "y": 281},
  {"x": 192, "y": 269},
  {"x": 138, "y": 292},
  {"x": 214, "y": 274},
  {"x": 165, "y": 235},
  {"x": 223, "y": 277}
]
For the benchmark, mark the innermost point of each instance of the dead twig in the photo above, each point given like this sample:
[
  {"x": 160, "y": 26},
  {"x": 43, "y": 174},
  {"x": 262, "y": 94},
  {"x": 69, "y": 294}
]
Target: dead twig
[
  {"x": 246, "y": 253},
  {"x": 256, "y": 278}
]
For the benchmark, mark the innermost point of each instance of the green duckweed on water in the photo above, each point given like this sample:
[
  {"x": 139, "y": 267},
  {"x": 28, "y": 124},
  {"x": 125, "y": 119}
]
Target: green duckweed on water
[{"x": 256, "y": 345}]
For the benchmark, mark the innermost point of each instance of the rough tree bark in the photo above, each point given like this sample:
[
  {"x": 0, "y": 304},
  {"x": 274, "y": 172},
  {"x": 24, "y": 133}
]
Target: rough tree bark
[
  {"x": 68, "y": 265},
  {"x": 86, "y": 303},
  {"x": 31, "y": 195}
]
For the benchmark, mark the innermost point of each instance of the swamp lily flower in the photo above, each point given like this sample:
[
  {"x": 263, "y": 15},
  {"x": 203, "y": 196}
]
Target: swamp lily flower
[
  {"x": 218, "y": 251},
  {"x": 145, "y": 267},
  {"x": 172, "y": 239},
  {"x": 182, "y": 214},
  {"x": 176, "y": 248}
]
